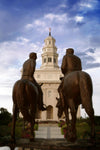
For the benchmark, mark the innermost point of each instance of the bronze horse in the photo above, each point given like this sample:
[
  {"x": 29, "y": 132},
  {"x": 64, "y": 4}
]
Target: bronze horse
[
  {"x": 77, "y": 89},
  {"x": 25, "y": 95}
]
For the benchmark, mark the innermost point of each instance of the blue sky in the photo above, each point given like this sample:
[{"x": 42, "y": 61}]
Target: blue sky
[{"x": 24, "y": 24}]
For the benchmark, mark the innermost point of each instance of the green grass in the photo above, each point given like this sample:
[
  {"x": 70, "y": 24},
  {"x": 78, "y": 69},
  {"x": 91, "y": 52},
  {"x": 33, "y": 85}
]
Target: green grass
[
  {"x": 83, "y": 128},
  {"x": 5, "y": 131}
]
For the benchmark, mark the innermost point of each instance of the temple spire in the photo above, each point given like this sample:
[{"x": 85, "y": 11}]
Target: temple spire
[{"x": 49, "y": 31}]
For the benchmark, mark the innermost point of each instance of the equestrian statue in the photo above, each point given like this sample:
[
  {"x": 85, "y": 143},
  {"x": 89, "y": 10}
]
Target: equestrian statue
[
  {"x": 27, "y": 95},
  {"x": 75, "y": 89}
]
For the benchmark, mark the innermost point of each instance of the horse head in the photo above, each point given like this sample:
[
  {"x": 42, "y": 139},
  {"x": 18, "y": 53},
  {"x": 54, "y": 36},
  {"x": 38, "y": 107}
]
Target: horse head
[{"x": 60, "y": 108}]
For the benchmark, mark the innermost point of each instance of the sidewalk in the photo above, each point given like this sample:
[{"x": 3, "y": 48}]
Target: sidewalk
[{"x": 49, "y": 132}]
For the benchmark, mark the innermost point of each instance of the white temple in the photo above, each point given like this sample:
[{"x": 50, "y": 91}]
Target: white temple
[{"x": 49, "y": 74}]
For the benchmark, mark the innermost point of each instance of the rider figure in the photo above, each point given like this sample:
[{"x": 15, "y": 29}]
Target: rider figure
[
  {"x": 28, "y": 73},
  {"x": 70, "y": 63}
]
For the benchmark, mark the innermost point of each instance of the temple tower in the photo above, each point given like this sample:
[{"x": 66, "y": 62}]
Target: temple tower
[
  {"x": 49, "y": 74},
  {"x": 49, "y": 56}
]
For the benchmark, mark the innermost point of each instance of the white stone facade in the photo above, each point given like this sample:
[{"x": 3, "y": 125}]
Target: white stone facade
[{"x": 49, "y": 74}]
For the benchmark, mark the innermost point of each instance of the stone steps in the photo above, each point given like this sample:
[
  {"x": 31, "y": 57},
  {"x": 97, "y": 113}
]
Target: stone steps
[{"x": 49, "y": 132}]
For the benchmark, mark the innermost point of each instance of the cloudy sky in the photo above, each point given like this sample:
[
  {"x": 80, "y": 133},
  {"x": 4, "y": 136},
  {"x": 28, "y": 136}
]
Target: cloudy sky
[{"x": 24, "y": 25}]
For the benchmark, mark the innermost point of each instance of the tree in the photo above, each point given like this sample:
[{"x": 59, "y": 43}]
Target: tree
[{"x": 5, "y": 116}]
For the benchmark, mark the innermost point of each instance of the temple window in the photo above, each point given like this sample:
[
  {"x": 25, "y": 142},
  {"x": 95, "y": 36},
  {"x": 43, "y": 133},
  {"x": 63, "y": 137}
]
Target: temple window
[
  {"x": 49, "y": 42},
  {"x": 44, "y": 60},
  {"x": 49, "y": 59},
  {"x": 54, "y": 60},
  {"x": 49, "y": 112}
]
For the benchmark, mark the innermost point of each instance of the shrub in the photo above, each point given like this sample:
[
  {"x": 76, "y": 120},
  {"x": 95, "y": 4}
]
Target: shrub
[
  {"x": 61, "y": 123},
  {"x": 5, "y": 130},
  {"x": 5, "y": 116},
  {"x": 63, "y": 129},
  {"x": 36, "y": 126},
  {"x": 83, "y": 130},
  {"x": 97, "y": 120}
]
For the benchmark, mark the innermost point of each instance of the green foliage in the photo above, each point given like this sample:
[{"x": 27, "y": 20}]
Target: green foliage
[
  {"x": 5, "y": 130},
  {"x": 5, "y": 116},
  {"x": 83, "y": 128},
  {"x": 63, "y": 129},
  {"x": 61, "y": 123},
  {"x": 97, "y": 120},
  {"x": 5, "y": 139},
  {"x": 36, "y": 126},
  {"x": 18, "y": 131}
]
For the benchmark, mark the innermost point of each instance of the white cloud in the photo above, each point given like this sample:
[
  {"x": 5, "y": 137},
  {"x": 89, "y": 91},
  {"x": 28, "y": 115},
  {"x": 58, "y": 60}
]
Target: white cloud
[
  {"x": 22, "y": 40},
  {"x": 39, "y": 23},
  {"x": 95, "y": 55},
  {"x": 48, "y": 20},
  {"x": 12, "y": 56},
  {"x": 79, "y": 18},
  {"x": 86, "y": 5},
  {"x": 62, "y": 6},
  {"x": 29, "y": 26},
  {"x": 56, "y": 17}
]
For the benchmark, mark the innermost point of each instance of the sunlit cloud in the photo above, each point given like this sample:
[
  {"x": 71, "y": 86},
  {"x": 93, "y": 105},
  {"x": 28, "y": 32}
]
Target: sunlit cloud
[
  {"x": 86, "y": 5},
  {"x": 79, "y": 18},
  {"x": 56, "y": 17}
]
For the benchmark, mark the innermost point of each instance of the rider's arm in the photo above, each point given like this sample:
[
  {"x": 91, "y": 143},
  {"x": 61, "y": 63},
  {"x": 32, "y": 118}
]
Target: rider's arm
[
  {"x": 64, "y": 65},
  {"x": 80, "y": 65},
  {"x": 33, "y": 65}
]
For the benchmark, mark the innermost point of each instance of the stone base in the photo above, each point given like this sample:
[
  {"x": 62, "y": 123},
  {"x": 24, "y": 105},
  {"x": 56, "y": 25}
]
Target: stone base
[{"x": 55, "y": 144}]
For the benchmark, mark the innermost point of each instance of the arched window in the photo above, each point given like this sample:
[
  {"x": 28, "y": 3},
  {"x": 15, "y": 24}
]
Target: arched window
[
  {"x": 49, "y": 42},
  {"x": 49, "y": 112},
  {"x": 49, "y": 59},
  {"x": 54, "y": 60},
  {"x": 44, "y": 60}
]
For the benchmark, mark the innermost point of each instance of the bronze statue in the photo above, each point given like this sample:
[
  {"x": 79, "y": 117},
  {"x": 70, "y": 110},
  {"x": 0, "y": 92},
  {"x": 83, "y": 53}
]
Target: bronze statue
[
  {"x": 69, "y": 64},
  {"x": 28, "y": 73},
  {"x": 76, "y": 89},
  {"x": 27, "y": 95}
]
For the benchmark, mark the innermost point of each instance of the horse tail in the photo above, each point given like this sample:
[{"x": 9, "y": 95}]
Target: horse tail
[
  {"x": 21, "y": 99},
  {"x": 86, "y": 90}
]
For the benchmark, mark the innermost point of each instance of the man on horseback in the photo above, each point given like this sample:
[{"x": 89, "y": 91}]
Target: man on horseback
[
  {"x": 70, "y": 63},
  {"x": 28, "y": 74}
]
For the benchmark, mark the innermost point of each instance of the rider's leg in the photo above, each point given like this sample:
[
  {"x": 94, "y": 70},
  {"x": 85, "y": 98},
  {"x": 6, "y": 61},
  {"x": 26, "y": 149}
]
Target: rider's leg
[
  {"x": 60, "y": 91},
  {"x": 40, "y": 98}
]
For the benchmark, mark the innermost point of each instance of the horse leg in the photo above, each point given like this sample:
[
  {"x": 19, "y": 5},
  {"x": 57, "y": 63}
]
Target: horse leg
[
  {"x": 73, "y": 121},
  {"x": 32, "y": 124},
  {"x": 15, "y": 110},
  {"x": 66, "y": 115},
  {"x": 90, "y": 112},
  {"x": 32, "y": 129},
  {"x": 73, "y": 110}
]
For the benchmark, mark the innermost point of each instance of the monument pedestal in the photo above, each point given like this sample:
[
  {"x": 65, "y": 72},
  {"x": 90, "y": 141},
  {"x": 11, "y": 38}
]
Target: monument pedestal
[{"x": 55, "y": 144}]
